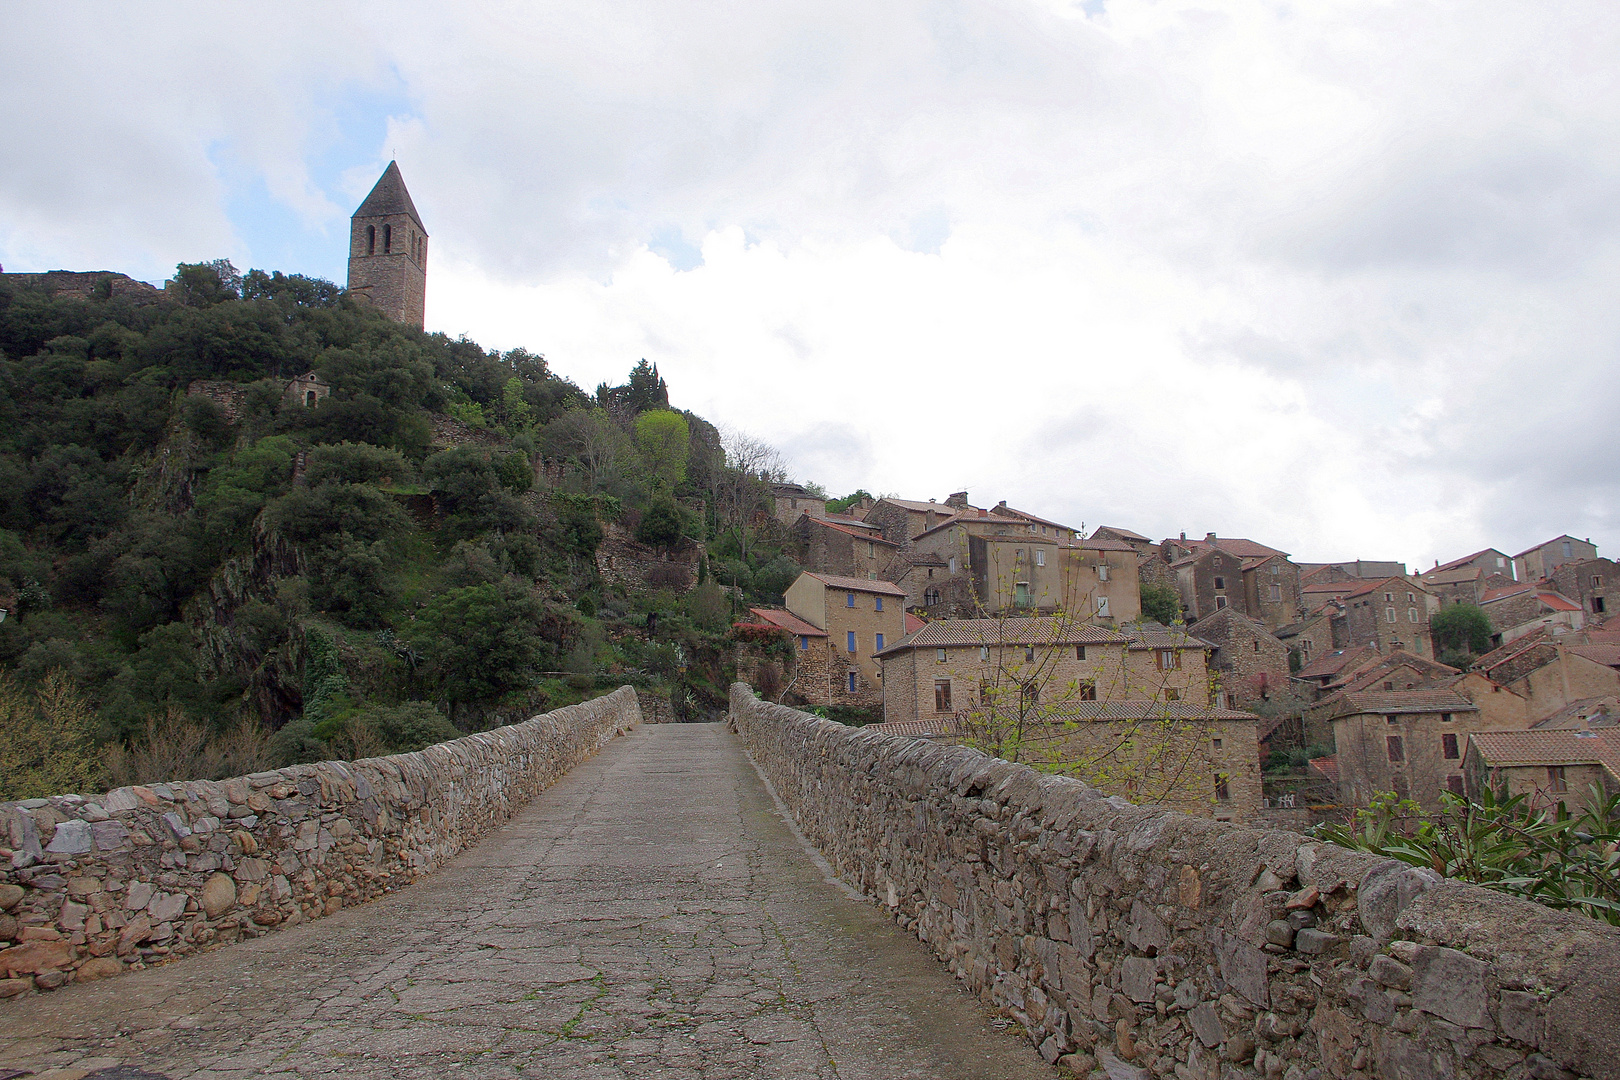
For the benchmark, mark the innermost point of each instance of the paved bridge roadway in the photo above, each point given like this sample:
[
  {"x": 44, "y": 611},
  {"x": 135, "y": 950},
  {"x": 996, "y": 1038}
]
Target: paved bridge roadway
[{"x": 651, "y": 915}]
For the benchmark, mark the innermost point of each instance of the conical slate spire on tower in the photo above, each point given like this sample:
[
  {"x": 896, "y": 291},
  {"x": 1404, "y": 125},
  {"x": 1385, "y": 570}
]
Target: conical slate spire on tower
[{"x": 390, "y": 197}]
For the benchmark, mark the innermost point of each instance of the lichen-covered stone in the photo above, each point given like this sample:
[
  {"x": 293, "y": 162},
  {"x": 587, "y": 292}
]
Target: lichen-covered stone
[
  {"x": 150, "y": 873},
  {"x": 1094, "y": 923}
]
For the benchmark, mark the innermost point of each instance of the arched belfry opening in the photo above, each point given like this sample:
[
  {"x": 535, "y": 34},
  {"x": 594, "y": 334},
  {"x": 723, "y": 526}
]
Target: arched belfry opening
[{"x": 389, "y": 272}]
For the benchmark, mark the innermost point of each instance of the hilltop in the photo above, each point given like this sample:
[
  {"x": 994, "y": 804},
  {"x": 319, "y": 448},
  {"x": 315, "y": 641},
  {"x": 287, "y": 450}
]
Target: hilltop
[{"x": 249, "y": 520}]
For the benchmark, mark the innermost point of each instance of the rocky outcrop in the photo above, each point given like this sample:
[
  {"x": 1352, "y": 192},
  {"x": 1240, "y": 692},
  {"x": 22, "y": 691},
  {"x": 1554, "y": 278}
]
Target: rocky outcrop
[
  {"x": 1160, "y": 945},
  {"x": 96, "y": 886}
]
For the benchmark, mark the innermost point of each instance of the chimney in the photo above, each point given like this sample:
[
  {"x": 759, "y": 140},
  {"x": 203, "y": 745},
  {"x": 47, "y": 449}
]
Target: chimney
[
  {"x": 983, "y": 512},
  {"x": 928, "y": 518},
  {"x": 1183, "y": 536},
  {"x": 958, "y": 499},
  {"x": 1209, "y": 538}
]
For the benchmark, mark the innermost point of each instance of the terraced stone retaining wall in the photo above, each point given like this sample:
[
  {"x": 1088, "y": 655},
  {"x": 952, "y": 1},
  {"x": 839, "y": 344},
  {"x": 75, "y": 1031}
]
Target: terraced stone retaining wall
[
  {"x": 1149, "y": 943},
  {"x": 94, "y": 886}
]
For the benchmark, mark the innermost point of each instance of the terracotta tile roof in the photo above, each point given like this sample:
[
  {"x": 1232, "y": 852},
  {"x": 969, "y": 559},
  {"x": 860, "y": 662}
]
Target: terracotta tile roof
[
  {"x": 914, "y": 624},
  {"x": 923, "y": 507},
  {"x": 1384, "y": 584},
  {"x": 1143, "y": 710},
  {"x": 1547, "y": 543},
  {"x": 1399, "y": 701},
  {"x": 1593, "y": 712},
  {"x": 1122, "y": 532},
  {"x": 1327, "y": 766},
  {"x": 1328, "y": 588},
  {"x": 988, "y": 519},
  {"x": 916, "y": 729},
  {"x": 1162, "y": 638},
  {"x": 855, "y": 584},
  {"x": 1004, "y": 509},
  {"x": 1491, "y": 595},
  {"x": 1557, "y": 602},
  {"x": 785, "y": 620},
  {"x": 1604, "y": 653},
  {"x": 852, "y": 522},
  {"x": 1505, "y": 748},
  {"x": 1452, "y": 577},
  {"x": 1102, "y": 545},
  {"x": 1333, "y": 663},
  {"x": 1232, "y": 545},
  {"x": 1041, "y": 630},
  {"x": 860, "y": 534}
]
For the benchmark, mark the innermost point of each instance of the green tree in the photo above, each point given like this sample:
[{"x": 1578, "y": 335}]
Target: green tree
[
  {"x": 661, "y": 524},
  {"x": 483, "y": 640},
  {"x": 1461, "y": 628},
  {"x": 45, "y": 740},
  {"x": 1160, "y": 602},
  {"x": 663, "y": 437}
]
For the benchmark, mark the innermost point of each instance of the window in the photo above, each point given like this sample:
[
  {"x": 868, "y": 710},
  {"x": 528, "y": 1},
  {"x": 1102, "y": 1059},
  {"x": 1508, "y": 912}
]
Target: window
[
  {"x": 1274, "y": 594},
  {"x": 878, "y": 601},
  {"x": 1102, "y": 607},
  {"x": 1256, "y": 644},
  {"x": 388, "y": 239},
  {"x": 1393, "y": 746},
  {"x": 1220, "y": 602},
  {"x": 1448, "y": 746},
  {"x": 1389, "y": 598},
  {"x": 1215, "y": 743},
  {"x": 1597, "y": 581},
  {"x": 371, "y": 239},
  {"x": 1500, "y": 561},
  {"x": 1410, "y": 599},
  {"x": 1079, "y": 652},
  {"x": 1040, "y": 558},
  {"x": 1088, "y": 691},
  {"x": 1454, "y": 784},
  {"x": 1221, "y": 791},
  {"x": 1172, "y": 694},
  {"x": 1167, "y": 659},
  {"x": 804, "y": 641},
  {"x": 952, "y": 562},
  {"x": 1392, "y": 718},
  {"x": 1021, "y": 594},
  {"x": 1411, "y": 614},
  {"x": 1389, "y": 614},
  {"x": 1389, "y": 686},
  {"x": 852, "y": 641},
  {"x": 1215, "y": 562},
  {"x": 930, "y": 595},
  {"x": 1029, "y": 654},
  {"x": 1102, "y": 572},
  {"x": 939, "y": 656},
  {"x": 1597, "y": 604},
  {"x": 879, "y": 646},
  {"x": 942, "y": 695},
  {"x": 984, "y": 652},
  {"x": 871, "y": 549},
  {"x": 1569, "y": 551},
  {"x": 1403, "y": 787},
  {"x": 1555, "y": 773},
  {"x": 852, "y": 682},
  {"x": 849, "y": 600},
  {"x": 1220, "y": 583}
]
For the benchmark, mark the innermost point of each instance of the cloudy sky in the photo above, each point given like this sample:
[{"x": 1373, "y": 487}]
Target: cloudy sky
[{"x": 1339, "y": 276}]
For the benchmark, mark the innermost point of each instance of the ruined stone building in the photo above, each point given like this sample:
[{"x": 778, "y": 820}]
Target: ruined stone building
[{"x": 388, "y": 251}]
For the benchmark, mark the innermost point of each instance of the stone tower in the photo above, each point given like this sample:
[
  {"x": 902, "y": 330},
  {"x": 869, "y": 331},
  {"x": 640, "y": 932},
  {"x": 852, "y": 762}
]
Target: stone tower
[{"x": 388, "y": 250}]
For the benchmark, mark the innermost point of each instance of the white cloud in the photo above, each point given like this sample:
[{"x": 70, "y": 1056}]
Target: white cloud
[{"x": 1338, "y": 275}]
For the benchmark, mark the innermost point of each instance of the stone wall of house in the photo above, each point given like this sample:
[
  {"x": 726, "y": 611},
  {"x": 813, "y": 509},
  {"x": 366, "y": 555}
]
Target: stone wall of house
[
  {"x": 1591, "y": 584},
  {"x": 1160, "y": 945},
  {"x": 94, "y": 886}
]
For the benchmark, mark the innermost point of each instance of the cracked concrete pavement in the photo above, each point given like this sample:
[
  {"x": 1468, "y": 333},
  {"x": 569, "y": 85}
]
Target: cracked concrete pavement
[{"x": 651, "y": 915}]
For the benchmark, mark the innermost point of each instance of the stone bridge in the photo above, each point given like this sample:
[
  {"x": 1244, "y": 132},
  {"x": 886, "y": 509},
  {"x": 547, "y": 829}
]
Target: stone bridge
[{"x": 583, "y": 895}]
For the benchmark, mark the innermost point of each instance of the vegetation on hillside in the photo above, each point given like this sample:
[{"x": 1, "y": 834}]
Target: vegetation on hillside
[
  {"x": 269, "y": 582},
  {"x": 1543, "y": 853}
]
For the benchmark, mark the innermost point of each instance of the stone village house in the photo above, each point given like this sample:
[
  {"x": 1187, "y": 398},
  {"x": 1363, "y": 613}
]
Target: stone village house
[
  {"x": 1534, "y": 564},
  {"x": 1391, "y": 614},
  {"x": 859, "y": 619},
  {"x": 1550, "y": 767},
  {"x": 1249, "y": 663},
  {"x": 829, "y": 547}
]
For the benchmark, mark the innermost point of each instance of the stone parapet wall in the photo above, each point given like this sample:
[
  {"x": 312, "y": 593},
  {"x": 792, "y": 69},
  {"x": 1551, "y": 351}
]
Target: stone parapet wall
[
  {"x": 97, "y": 885},
  {"x": 1160, "y": 945}
]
